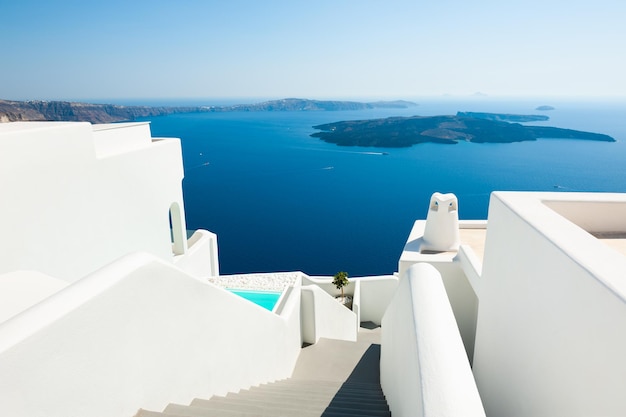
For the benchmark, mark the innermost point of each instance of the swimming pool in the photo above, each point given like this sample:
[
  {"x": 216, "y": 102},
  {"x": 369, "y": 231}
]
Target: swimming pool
[{"x": 266, "y": 299}]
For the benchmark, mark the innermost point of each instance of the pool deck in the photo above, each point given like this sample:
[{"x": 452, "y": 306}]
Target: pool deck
[{"x": 277, "y": 281}]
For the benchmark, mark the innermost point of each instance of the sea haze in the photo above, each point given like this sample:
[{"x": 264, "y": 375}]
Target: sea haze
[{"x": 281, "y": 200}]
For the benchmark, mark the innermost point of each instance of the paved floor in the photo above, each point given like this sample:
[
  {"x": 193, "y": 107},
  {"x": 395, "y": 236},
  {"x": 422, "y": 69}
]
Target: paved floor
[
  {"x": 340, "y": 361},
  {"x": 475, "y": 238}
]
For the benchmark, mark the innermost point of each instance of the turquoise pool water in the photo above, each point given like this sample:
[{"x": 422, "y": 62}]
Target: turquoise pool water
[{"x": 265, "y": 299}]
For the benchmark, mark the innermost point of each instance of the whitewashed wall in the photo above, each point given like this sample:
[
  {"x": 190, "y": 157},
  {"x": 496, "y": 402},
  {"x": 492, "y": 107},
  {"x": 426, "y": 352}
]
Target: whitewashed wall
[
  {"x": 76, "y": 197},
  {"x": 424, "y": 367},
  {"x": 452, "y": 266},
  {"x": 323, "y": 316},
  {"x": 463, "y": 300},
  {"x": 375, "y": 293},
  {"x": 21, "y": 289},
  {"x": 551, "y": 330},
  {"x": 139, "y": 333},
  {"x": 201, "y": 258}
]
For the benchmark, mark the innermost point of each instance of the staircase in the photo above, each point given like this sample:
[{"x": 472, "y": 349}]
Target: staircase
[{"x": 332, "y": 378}]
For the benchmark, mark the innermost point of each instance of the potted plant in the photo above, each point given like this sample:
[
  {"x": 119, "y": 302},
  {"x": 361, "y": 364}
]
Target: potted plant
[{"x": 340, "y": 280}]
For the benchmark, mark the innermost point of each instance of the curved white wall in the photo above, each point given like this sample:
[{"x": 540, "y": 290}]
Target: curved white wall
[
  {"x": 423, "y": 365},
  {"x": 460, "y": 286},
  {"x": 139, "y": 333}
]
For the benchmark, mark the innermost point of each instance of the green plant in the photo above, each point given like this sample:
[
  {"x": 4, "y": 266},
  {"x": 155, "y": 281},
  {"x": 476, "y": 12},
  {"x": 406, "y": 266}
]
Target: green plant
[{"x": 340, "y": 280}]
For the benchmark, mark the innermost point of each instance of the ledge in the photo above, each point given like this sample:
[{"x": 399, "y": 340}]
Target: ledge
[{"x": 472, "y": 233}]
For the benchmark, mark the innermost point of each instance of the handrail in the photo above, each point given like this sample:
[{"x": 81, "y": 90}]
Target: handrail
[{"x": 424, "y": 368}]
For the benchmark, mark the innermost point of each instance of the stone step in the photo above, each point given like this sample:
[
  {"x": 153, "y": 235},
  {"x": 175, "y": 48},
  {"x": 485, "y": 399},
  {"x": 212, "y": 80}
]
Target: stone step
[
  {"x": 319, "y": 388},
  {"x": 374, "y": 392},
  {"x": 239, "y": 410},
  {"x": 315, "y": 392},
  {"x": 301, "y": 402},
  {"x": 322, "y": 383},
  {"x": 358, "y": 405},
  {"x": 190, "y": 412},
  {"x": 332, "y": 379},
  {"x": 261, "y": 402},
  {"x": 350, "y": 412},
  {"x": 306, "y": 397},
  {"x": 148, "y": 413},
  {"x": 286, "y": 400},
  {"x": 275, "y": 404}
]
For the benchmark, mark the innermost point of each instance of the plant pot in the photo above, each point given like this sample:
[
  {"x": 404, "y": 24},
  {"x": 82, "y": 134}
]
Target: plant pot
[{"x": 345, "y": 300}]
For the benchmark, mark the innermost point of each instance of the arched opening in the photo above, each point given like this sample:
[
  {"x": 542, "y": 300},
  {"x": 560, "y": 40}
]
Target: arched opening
[{"x": 177, "y": 231}]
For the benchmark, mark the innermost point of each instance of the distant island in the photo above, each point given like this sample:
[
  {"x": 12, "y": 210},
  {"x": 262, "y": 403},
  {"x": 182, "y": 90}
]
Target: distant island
[
  {"x": 17, "y": 111},
  {"x": 502, "y": 117},
  {"x": 544, "y": 108},
  {"x": 396, "y": 132},
  {"x": 300, "y": 104},
  {"x": 11, "y": 111}
]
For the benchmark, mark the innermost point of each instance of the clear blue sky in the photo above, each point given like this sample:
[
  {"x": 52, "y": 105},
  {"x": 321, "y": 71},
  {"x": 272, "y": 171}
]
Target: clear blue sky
[{"x": 317, "y": 49}]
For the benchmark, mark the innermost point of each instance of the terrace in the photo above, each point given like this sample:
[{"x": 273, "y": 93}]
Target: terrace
[{"x": 519, "y": 315}]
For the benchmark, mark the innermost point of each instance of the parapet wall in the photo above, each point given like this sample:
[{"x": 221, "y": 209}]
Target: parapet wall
[
  {"x": 375, "y": 293},
  {"x": 424, "y": 368},
  {"x": 140, "y": 333}
]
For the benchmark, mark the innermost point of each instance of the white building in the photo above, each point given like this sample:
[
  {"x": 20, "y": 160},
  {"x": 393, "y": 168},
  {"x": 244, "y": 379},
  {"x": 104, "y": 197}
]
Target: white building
[{"x": 106, "y": 307}]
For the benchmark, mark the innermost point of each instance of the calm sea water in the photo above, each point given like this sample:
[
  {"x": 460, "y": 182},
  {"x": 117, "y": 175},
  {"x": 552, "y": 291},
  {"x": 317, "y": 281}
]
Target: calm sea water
[{"x": 281, "y": 200}]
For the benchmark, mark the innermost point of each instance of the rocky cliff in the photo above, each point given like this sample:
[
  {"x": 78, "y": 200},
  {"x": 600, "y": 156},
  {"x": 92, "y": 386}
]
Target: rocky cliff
[{"x": 12, "y": 111}]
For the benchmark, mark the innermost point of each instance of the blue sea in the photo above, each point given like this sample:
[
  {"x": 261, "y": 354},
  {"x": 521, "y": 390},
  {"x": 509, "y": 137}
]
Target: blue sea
[{"x": 281, "y": 200}]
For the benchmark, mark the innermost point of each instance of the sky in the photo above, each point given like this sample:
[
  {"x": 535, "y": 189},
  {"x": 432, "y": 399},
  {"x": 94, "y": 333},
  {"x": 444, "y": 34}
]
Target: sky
[{"x": 324, "y": 49}]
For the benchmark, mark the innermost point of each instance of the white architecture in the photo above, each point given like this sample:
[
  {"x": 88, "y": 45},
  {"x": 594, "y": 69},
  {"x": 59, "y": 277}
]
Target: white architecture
[
  {"x": 441, "y": 232},
  {"x": 77, "y": 197},
  {"x": 551, "y": 330},
  {"x": 106, "y": 306},
  {"x": 539, "y": 296}
]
